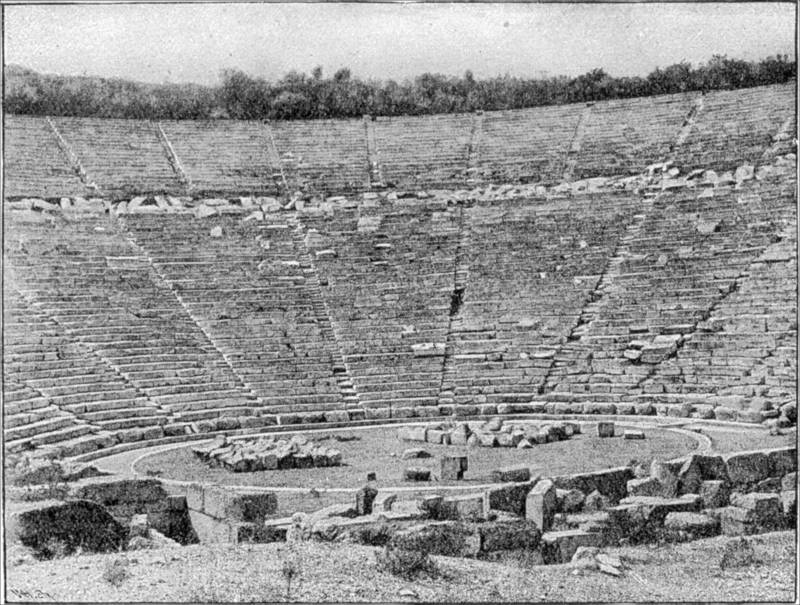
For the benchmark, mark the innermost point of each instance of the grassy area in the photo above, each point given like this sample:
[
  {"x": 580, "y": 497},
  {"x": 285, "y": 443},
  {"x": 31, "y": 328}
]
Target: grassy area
[
  {"x": 725, "y": 440},
  {"x": 378, "y": 450},
  {"x": 348, "y": 573}
]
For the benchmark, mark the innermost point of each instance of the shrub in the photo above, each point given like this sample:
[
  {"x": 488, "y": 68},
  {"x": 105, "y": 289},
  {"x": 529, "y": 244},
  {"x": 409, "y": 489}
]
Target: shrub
[
  {"x": 407, "y": 564},
  {"x": 738, "y": 553},
  {"x": 116, "y": 571}
]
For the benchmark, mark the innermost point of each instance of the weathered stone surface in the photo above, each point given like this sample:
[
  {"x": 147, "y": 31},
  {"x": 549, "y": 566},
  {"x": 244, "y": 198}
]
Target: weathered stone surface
[
  {"x": 560, "y": 546},
  {"x": 412, "y": 453},
  {"x": 690, "y": 477},
  {"x": 447, "y": 538},
  {"x": 509, "y": 497},
  {"x": 789, "y": 481},
  {"x": 511, "y": 474},
  {"x": 417, "y": 473},
  {"x": 437, "y": 437},
  {"x": 747, "y": 467},
  {"x": 781, "y": 461},
  {"x": 696, "y": 525},
  {"x": 640, "y": 517},
  {"x": 254, "y": 507},
  {"x": 365, "y": 497},
  {"x": 541, "y": 504},
  {"x": 453, "y": 467},
  {"x": 714, "y": 493},
  {"x": 384, "y": 502},
  {"x": 633, "y": 434},
  {"x": 789, "y": 505},
  {"x": 110, "y": 492},
  {"x": 648, "y": 486},
  {"x": 469, "y": 507},
  {"x": 76, "y": 524},
  {"x": 612, "y": 483},
  {"x": 570, "y": 500},
  {"x": 666, "y": 478},
  {"x": 504, "y": 535},
  {"x": 413, "y": 433},
  {"x": 595, "y": 502}
]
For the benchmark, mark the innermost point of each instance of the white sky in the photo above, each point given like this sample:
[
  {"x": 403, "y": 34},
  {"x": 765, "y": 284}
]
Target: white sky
[{"x": 192, "y": 43}]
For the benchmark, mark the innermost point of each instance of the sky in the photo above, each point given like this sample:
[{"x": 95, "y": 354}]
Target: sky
[{"x": 195, "y": 42}]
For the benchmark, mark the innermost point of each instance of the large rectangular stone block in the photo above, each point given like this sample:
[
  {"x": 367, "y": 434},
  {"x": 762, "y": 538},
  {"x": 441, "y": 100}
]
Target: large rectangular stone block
[
  {"x": 541, "y": 504},
  {"x": 453, "y": 467},
  {"x": 463, "y": 508},
  {"x": 509, "y": 474},
  {"x": 747, "y": 467},
  {"x": 222, "y": 503},
  {"x": 560, "y": 546}
]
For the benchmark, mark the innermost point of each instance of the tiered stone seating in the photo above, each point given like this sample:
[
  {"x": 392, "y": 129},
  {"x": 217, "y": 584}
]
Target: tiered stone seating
[
  {"x": 738, "y": 126},
  {"x": 747, "y": 347},
  {"x": 683, "y": 264},
  {"x": 105, "y": 295},
  {"x": 322, "y": 155},
  {"x": 33, "y": 164},
  {"x": 625, "y": 136},
  {"x": 424, "y": 151},
  {"x": 531, "y": 268},
  {"x": 120, "y": 155},
  {"x": 248, "y": 291},
  {"x": 224, "y": 155},
  {"x": 526, "y": 145},
  {"x": 387, "y": 275},
  {"x": 44, "y": 374}
]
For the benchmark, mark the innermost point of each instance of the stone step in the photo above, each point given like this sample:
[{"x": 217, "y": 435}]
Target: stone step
[
  {"x": 133, "y": 422},
  {"x": 63, "y": 434},
  {"x": 35, "y": 428}
]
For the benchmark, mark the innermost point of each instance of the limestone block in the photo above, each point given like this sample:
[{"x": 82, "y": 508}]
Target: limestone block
[
  {"x": 633, "y": 434},
  {"x": 463, "y": 508},
  {"x": 365, "y": 498},
  {"x": 412, "y": 453},
  {"x": 413, "y": 433},
  {"x": 516, "y": 474},
  {"x": 605, "y": 429},
  {"x": 453, "y": 467},
  {"x": 509, "y": 497},
  {"x": 541, "y": 504},
  {"x": 789, "y": 481},
  {"x": 570, "y": 500},
  {"x": 560, "y": 546},
  {"x": 747, "y": 467},
  {"x": 446, "y": 538},
  {"x": 648, "y": 486},
  {"x": 612, "y": 483},
  {"x": 781, "y": 461},
  {"x": 714, "y": 493},
  {"x": 437, "y": 436},
  {"x": 696, "y": 525},
  {"x": 508, "y": 535},
  {"x": 417, "y": 473}
]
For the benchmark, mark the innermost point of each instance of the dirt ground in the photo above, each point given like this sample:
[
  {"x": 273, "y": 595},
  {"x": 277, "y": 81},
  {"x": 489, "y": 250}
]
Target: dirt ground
[{"x": 336, "y": 572}]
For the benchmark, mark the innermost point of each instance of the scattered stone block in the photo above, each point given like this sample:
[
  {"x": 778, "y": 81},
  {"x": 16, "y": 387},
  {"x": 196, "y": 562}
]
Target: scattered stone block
[
  {"x": 412, "y": 453},
  {"x": 437, "y": 437},
  {"x": 508, "y": 535},
  {"x": 633, "y": 434},
  {"x": 789, "y": 481},
  {"x": 612, "y": 483},
  {"x": 413, "y": 433},
  {"x": 453, "y": 468},
  {"x": 694, "y": 525},
  {"x": 514, "y": 474},
  {"x": 432, "y": 505},
  {"x": 714, "y": 493},
  {"x": 668, "y": 480},
  {"x": 417, "y": 473},
  {"x": 541, "y": 504},
  {"x": 605, "y": 429},
  {"x": 139, "y": 526},
  {"x": 746, "y": 467},
  {"x": 445, "y": 538},
  {"x": 570, "y": 500},
  {"x": 648, "y": 486},
  {"x": 509, "y": 497},
  {"x": 560, "y": 546},
  {"x": 365, "y": 497},
  {"x": 789, "y": 505},
  {"x": 463, "y": 508},
  {"x": 690, "y": 477}
]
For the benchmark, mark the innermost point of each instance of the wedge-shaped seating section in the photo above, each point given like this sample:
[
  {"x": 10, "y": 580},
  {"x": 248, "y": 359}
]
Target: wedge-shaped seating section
[
  {"x": 43, "y": 374},
  {"x": 124, "y": 156},
  {"x": 691, "y": 257},
  {"x": 738, "y": 126},
  {"x": 322, "y": 155},
  {"x": 249, "y": 292},
  {"x": 530, "y": 268},
  {"x": 224, "y": 155},
  {"x": 527, "y": 145},
  {"x": 624, "y": 136},
  {"x": 105, "y": 295},
  {"x": 747, "y": 347},
  {"x": 387, "y": 276},
  {"x": 424, "y": 151},
  {"x": 34, "y": 165}
]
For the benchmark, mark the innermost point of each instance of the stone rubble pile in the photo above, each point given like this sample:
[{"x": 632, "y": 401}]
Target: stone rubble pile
[
  {"x": 266, "y": 454},
  {"x": 492, "y": 433}
]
